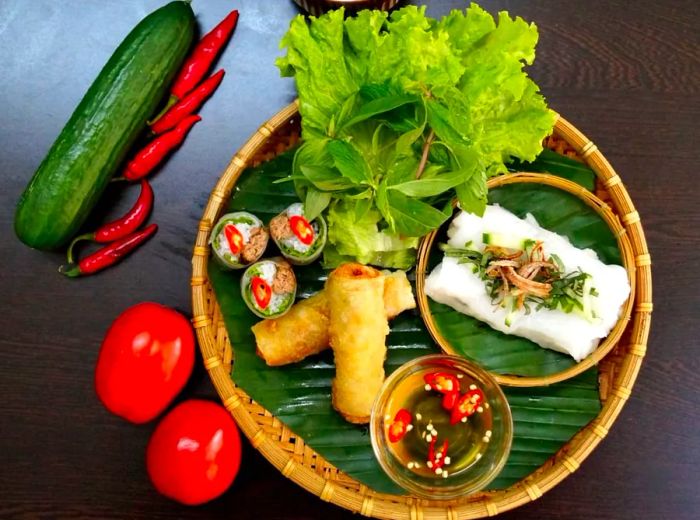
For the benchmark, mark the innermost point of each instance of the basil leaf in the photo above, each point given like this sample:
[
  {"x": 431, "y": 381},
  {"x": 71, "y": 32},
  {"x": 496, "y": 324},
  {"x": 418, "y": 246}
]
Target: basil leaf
[
  {"x": 472, "y": 194},
  {"x": 440, "y": 121},
  {"x": 315, "y": 202},
  {"x": 411, "y": 216},
  {"x": 382, "y": 202},
  {"x": 325, "y": 179},
  {"x": 436, "y": 185},
  {"x": 350, "y": 162},
  {"x": 380, "y": 106}
]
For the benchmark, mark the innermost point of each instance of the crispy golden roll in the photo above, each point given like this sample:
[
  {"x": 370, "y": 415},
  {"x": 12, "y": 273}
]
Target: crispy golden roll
[
  {"x": 358, "y": 329},
  {"x": 303, "y": 331},
  {"x": 398, "y": 294}
]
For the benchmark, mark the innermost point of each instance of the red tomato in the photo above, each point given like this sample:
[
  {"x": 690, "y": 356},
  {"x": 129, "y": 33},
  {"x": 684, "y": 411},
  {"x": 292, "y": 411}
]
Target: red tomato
[
  {"x": 194, "y": 453},
  {"x": 145, "y": 360}
]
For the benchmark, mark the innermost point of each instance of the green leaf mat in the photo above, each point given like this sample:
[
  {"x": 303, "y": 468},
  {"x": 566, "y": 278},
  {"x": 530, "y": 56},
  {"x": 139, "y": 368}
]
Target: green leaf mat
[{"x": 545, "y": 418}]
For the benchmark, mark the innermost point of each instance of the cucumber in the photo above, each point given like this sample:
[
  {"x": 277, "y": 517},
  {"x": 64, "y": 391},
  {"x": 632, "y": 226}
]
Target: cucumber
[
  {"x": 503, "y": 240},
  {"x": 104, "y": 126}
]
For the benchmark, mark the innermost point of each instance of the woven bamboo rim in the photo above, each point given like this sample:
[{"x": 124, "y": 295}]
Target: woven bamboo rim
[
  {"x": 298, "y": 462},
  {"x": 602, "y": 209}
]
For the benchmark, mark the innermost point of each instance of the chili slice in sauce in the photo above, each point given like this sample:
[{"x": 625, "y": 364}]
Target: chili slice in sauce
[
  {"x": 466, "y": 405},
  {"x": 262, "y": 292},
  {"x": 302, "y": 229},
  {"x": 449, "y": 400},
  {"x": 442, "y": 382},
  {"x": 399, "y": 426},
  {"x": 436, "y": 461}
]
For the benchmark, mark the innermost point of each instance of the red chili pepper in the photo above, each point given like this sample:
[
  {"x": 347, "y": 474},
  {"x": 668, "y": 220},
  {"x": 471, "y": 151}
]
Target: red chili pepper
[
  {"x": 466, "y": 405},
  {"x": 262, "y": 292},
  {"x": 203, "y": 55},
  {"x": 131, "y": 221},
  {"x": 399, "y": 426},
  {"x": 442, "y": 382},
  {"x": 449, "y": 400},
  {"x": 435, "y": 461},
  {"x": 153, "y": 153},
  {"x": 302, "y": 229},
  {"x": 109, "y": 254},
  {"x": 123, "y": 226},
  {"x": 188, "y": 105},
  {"x": 234, "y": 238}
]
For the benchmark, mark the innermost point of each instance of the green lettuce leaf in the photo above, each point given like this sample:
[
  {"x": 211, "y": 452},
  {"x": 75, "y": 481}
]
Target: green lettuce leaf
[
  {"x": 379, "y": 92},
  {"x": 360, "y": 239}
]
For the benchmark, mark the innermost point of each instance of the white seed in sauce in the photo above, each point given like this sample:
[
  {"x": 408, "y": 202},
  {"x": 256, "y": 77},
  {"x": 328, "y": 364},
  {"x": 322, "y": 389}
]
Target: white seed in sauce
[
  {"x": 418, "y": 417},
  {"x": 409, "y": 427},
  {"x": 430, "y": 464},
  {"x": 438, "y": 471},
  {"x": 429, "y": 438},
  {"x": 448, "y": 460},
  {"x": 480, "y": 409},
  {"x": 464, "y": 419},
  {"x": 427, "y": 388},
  {"x": 444, "y": 474},
  {"x": 489, "y": 433},
  {"x": 472, "y": 387},
  {"x": 460, "y": 376},
  {"x": 410, "y": 465}
]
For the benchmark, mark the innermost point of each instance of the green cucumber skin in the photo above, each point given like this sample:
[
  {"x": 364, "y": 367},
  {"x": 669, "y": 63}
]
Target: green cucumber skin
[{"x": 105, "y": 125}]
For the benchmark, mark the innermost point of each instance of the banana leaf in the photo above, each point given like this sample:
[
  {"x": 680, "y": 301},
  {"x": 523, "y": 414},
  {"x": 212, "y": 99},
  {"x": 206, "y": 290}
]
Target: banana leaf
[
  {"x": 552, "y": 162},
  {"x": 299, "y": 395}
]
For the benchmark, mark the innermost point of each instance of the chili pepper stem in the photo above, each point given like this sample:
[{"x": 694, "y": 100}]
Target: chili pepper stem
[
  {"x": 70, "y": 270},
  {"x": 171, "y": 101},
  {"x": 79, "y": 238}
]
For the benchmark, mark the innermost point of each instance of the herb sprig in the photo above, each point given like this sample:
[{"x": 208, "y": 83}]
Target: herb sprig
[
  {"x": 400, "y": 114},
  {"x": 502, "y": 269}
]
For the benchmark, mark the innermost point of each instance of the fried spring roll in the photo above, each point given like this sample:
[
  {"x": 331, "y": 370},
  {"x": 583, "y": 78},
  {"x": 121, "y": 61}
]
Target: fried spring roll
[
  {"x": 398, "y": 294},
  {"x": 303, "y": 331},
  {"x": 358, "y": 328}
]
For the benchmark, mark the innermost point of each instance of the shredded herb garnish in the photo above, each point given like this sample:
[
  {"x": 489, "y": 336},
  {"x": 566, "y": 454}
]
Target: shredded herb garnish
[{"x": 523, "y": 278}]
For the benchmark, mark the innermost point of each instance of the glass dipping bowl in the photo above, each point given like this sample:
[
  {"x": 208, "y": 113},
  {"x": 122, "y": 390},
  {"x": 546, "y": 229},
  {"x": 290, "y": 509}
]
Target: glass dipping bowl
[{"x": 473, "y": 460}]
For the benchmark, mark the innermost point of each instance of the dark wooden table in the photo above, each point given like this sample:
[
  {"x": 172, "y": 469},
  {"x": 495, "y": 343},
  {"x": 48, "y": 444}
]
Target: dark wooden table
[{"x": 626, "y": 73}]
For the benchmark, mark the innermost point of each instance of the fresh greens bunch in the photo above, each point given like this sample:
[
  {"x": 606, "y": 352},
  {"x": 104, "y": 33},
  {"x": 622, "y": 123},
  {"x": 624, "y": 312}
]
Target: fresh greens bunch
[{"x": 401, "y": 111}]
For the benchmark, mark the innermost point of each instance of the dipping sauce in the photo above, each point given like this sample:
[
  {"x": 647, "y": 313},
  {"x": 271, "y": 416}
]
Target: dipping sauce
[
  {"x": 449, "y": 428},
  {"x": 441, "y": 427}
]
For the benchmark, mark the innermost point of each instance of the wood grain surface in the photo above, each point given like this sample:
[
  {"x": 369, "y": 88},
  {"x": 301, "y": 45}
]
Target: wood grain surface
[{"x": 626, "y": 73}]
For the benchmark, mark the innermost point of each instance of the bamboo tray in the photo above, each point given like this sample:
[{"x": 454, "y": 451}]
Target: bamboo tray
[
  {"x": 298, "y": 462},
  {"x": 606, "y": 213}
]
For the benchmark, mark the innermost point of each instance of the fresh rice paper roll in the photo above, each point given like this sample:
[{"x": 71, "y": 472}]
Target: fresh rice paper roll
[
  {"x": 358, "y": 329},
  {"x": 238, "y": 239},
  {"x": 299, "y": 240},
  {"x": 303, "y": 331},
  {"x": 269, "y": 287}
]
